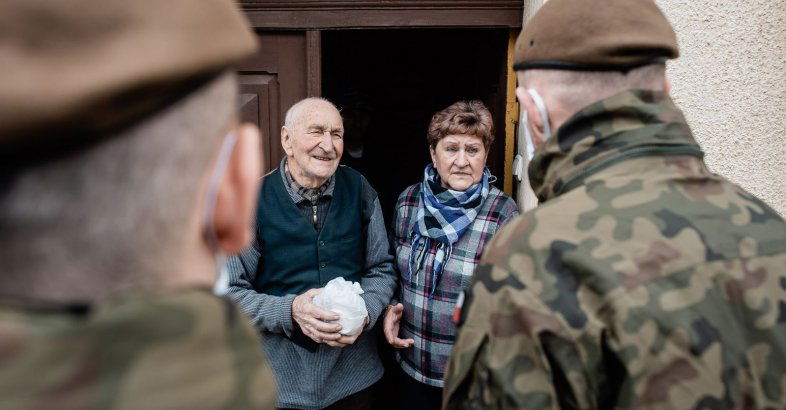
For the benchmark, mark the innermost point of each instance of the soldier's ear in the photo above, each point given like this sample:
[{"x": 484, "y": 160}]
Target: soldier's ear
[
  {"x": 534, "y": 119},
  {"x": 237, "y": 193}
]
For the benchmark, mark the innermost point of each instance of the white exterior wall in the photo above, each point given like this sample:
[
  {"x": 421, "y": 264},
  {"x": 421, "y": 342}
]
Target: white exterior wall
[{"x": 730, "y": 82}]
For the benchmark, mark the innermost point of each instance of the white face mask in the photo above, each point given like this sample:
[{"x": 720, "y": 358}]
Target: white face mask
[
  {"x": 529, "y": 145},
  {"x": 222, "y": 281},
  {"x": 544, "y": 116}
]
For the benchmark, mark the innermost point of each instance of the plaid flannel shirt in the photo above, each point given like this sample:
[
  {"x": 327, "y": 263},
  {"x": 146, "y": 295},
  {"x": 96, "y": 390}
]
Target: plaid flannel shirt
[{"x": 429, "y": 322}]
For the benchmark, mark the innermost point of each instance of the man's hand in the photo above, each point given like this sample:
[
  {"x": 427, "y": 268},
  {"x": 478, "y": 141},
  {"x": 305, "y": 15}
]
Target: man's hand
[
  {"x": 391, "y": 324},
  {"x": 347, "y": 340},
  {"x": 313, "y": 321}
]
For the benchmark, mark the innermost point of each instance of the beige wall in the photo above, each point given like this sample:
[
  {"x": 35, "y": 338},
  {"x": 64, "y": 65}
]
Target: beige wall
[{"x": 730, "y": 81}]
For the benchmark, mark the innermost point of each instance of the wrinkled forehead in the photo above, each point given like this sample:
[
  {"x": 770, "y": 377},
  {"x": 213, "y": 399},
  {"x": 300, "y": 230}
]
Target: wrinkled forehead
[{"x": 319, "y": 114}]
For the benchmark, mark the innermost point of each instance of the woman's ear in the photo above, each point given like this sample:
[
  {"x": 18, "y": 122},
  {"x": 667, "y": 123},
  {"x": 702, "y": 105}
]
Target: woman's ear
[
  {"x": 433, "y": 152},
  {"x": 237, "y": 194}
]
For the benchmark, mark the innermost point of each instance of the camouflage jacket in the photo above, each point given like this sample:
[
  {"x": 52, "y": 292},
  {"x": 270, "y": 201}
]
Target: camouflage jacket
[
  {"x": 642, "y": 281},
  {"x": 184, "y": 350}
]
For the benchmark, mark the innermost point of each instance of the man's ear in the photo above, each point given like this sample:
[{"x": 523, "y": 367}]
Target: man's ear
[
  {"x": 533, "y": 115},
  {"x": 237, "y": 195},
  {"x": 666, "y": 85},
  {"x": 286, "y": 140}
]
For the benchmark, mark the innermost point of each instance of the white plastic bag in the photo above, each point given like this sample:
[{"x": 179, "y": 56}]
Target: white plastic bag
[{"x": 343, "y": 298}]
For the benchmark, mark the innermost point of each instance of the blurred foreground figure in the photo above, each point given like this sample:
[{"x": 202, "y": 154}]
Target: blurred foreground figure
[
  {"x": 125, "y": 179},
  {"x": 642, "y": 280}
]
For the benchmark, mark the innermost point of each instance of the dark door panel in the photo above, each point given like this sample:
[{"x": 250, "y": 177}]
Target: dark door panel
[
  {"x": 270, "y": 82},
  {"x": 259, "y": 95}
]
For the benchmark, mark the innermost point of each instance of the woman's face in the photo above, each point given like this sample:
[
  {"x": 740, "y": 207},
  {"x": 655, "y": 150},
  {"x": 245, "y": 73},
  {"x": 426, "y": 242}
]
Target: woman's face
[{"x": 459, "y": 160}]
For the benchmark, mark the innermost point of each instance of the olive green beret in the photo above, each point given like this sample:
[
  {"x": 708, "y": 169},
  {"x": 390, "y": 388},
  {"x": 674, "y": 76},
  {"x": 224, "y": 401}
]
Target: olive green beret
[
  {"x": 71, "y": 70},
  {"x": 595, "y": 35}
]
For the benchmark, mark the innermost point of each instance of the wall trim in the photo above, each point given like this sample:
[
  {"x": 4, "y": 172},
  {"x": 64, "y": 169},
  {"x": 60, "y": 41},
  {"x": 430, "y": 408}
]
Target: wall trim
[
  {"x": 320, "y": 15},
  {"x": 380, "y": 4}
]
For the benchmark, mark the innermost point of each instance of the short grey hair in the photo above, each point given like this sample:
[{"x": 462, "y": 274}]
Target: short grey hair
[
  {"x": 295, "y": 112},
  {"x": 577, "y": 89},
  {"x": 115, "y": 211}
]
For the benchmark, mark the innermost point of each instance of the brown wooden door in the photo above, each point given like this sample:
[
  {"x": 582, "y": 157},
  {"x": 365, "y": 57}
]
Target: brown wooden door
[{"x": 270, "y": 82}]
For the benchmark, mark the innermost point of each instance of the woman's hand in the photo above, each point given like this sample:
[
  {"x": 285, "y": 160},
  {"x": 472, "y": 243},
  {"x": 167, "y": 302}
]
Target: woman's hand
[{"x": 391, "y": 326}]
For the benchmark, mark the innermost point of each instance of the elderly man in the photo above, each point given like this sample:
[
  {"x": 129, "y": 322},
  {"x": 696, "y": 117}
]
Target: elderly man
[
  {"x": 124, "y": 178},
  {"x": 316, "y": 222},
  {"x": 642, "y": 280}
]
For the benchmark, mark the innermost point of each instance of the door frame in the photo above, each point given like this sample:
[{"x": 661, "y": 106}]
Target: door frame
[
  {"x": 315, "y": 16},
  {"x": 347, "y": 14}
]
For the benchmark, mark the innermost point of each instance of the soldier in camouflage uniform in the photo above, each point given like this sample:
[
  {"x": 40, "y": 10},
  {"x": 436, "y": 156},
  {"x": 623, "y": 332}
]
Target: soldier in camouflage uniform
[
  {"x": 124, "y": 178},
  {"x": 642, "y": 280}
]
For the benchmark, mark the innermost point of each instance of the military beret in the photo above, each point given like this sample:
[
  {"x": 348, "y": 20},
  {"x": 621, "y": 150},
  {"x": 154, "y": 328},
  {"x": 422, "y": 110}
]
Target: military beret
[
  {"x": 595, "y": 35},
  {"x": 71, "y": 70}
]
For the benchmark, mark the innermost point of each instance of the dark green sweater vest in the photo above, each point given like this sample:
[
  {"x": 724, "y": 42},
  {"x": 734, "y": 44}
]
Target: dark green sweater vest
[{"x": 295, "y": 257}]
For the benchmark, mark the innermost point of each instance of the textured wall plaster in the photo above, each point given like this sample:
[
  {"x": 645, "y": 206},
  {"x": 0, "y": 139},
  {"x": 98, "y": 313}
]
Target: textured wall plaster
[{"x": 730, "y": 82}]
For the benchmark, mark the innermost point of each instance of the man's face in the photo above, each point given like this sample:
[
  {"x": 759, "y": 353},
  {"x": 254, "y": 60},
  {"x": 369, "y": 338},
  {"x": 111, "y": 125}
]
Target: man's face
[{"x": 315, "y": 145}]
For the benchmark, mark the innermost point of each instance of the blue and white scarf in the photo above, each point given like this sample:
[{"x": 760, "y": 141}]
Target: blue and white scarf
[{"x": 443, "y": 215}]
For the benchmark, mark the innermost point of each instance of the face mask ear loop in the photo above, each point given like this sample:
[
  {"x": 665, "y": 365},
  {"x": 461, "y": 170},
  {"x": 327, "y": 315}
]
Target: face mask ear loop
[
  {"x": 522, "y": 146},
  {"x": 528, "y": 137},
  {"x": 222, "y": 283},
  {"x": 544, "y": 115}
]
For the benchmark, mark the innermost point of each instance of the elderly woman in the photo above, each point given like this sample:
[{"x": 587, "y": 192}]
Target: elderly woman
[{"x": 440, "y": 228}]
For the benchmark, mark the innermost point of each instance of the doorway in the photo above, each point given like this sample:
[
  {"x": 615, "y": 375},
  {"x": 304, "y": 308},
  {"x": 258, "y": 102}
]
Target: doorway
[{"x": 389, "y": 82}]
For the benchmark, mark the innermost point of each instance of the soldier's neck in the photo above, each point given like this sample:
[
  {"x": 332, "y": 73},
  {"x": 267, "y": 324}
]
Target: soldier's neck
[{"x": 75, "y": 285}]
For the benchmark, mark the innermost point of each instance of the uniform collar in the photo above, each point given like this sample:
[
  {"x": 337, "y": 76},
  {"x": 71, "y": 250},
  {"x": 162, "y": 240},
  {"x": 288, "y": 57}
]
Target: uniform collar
[{"x": 630, "y": 124}]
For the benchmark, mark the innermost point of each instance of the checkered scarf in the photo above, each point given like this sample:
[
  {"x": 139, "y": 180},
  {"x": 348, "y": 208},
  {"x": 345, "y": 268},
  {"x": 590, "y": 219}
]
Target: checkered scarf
[{"x": 442, "y": 217}]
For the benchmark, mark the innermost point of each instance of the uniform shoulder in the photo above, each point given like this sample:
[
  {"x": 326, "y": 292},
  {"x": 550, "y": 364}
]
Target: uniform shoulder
[
  {"x": 202, "y": 325},
  {"x": 530, "y": 235}
]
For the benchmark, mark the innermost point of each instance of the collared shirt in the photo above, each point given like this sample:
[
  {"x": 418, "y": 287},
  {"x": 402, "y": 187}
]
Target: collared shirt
[
  {"x": 312, "y": 202},
  {"x": 311, "y": 194}
]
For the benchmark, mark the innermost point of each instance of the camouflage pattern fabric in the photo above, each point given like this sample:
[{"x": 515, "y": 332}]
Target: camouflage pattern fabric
[
  {"x": 186, "y": 350},
  {"x": 642, "y": 281}
]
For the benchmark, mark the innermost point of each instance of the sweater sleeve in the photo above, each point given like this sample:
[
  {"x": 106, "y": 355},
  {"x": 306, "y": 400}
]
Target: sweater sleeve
[
  {"x": 397, "y": 236},
  {"x": 267, "y": 312}
]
